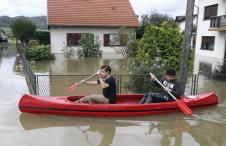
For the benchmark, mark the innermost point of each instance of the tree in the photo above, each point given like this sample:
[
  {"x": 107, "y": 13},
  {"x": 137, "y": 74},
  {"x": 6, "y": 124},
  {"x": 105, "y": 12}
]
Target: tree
[
  {"x": 139, "y": 79},
  {"x": 128, "y": 43},
  {"x": 89, "y": 46},
  {"x": 187, "y": 43},
  {"x": 163, "y": 41},
  {"x": 154, "y": 18},
  {"x": 23, "y": 30}
]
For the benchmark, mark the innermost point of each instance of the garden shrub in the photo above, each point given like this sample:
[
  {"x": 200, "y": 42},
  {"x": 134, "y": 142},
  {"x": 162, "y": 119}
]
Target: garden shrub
[
  {"x": 89, "y": 46},
  {"x": 32, "y": 43},
  {"x": 164, "y": 41},
  {"x": 139, "y": 81},
  {"x": 38, "y": 53}
]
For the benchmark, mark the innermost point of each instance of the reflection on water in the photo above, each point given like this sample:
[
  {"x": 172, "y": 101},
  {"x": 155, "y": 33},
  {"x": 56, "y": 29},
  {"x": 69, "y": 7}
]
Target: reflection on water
[
  {"x": 163, "y": 130},
  {"x": 85, "y": 126}
]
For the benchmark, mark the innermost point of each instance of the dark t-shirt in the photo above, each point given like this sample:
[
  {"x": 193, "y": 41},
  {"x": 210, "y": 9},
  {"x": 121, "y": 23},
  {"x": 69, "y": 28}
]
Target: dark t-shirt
[
  {"x": 173, "y": 85},
  {"x": 110, "y": 92}
]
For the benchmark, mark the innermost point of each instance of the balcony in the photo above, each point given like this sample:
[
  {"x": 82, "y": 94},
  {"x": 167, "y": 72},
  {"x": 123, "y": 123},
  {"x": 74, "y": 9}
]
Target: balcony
[{"x": 218, "y": 23}]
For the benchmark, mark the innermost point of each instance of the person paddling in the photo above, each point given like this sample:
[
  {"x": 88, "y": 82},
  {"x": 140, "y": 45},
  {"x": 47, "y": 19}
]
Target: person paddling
[
  {"x": 107, "y": 83},
  {"x": 170, "y": 83}
]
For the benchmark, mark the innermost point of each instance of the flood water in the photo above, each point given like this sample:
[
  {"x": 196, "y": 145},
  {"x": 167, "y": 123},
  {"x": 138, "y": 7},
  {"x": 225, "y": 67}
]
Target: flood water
[{"x": 206, "y": 127}]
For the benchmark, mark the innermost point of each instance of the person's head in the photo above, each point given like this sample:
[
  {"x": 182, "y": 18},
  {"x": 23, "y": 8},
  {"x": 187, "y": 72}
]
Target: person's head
[
  {"x": 170, "y": 74},
  {"x": 106, "y": 70}
]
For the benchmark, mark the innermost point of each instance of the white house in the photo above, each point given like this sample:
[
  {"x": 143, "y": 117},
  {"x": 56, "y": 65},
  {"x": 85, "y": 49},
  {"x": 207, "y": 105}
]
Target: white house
[
  {"x": 211, "y": 32},
  {"x": 181, "y": 22},
  {"x": 68, "y": 20}
]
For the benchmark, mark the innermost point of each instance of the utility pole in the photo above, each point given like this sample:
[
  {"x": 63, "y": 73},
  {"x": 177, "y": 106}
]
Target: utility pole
[{"x": 187, "y": 43}]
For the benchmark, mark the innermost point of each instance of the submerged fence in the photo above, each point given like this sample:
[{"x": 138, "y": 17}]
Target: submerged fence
[
  {"x": 56, "y": 85},
  {"x": 29, "y": 74}
]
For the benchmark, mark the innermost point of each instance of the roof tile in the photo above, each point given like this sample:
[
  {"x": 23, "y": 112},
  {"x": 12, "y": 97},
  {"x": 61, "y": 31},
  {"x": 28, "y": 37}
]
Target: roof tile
[{"x": 91, "y": 13}]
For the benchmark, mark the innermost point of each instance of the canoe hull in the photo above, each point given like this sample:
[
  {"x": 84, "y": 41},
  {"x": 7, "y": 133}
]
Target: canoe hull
[{"x": 126, "y": 105}]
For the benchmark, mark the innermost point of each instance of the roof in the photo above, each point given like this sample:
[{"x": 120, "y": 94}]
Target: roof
[{"x": 109, "y": 13}]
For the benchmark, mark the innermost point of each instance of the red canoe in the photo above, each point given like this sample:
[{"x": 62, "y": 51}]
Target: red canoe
[{"x": 127, "y": 105}]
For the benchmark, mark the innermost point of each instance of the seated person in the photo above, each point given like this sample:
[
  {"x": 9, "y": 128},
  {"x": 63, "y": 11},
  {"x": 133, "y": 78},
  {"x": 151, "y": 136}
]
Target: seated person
[
  {"x": 171, "y": 85},
  {"x": 107, "y": 82}
]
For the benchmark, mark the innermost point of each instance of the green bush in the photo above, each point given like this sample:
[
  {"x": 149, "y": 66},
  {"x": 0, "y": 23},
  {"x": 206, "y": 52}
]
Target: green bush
[
  {"x": 164, "y": 41},
  {"x": 139, "y": 81},
  {"x": 38, "y": 53},
  {"x": 128, "y": 44},
  {"x": 33, "y": 43},
  {"x": 89, "y": 46}
]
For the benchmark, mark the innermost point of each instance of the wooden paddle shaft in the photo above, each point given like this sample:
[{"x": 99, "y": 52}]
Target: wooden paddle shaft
[
  {"x": 89, "y": 77},
  {"x": 86, "y": 79}
]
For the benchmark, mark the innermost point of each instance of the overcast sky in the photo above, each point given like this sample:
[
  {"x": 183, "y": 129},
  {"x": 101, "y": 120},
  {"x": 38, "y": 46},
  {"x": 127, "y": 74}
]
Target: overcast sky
[{"x": 39, "y": 7}]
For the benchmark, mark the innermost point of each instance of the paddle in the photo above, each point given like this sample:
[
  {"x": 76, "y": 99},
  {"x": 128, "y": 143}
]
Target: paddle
[
  {"x": 187, "y": 111},
  {"x": 75, "y": 85}
]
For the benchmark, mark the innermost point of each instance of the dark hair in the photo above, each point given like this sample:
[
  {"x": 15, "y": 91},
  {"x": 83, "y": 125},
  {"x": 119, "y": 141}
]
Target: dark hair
[
  {"x": 106, "y": 67},
  {"x": 171, "y": 72}
]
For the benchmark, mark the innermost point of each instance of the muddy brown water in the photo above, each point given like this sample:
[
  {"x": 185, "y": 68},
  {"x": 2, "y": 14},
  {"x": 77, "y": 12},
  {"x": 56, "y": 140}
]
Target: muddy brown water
[{"x": 206, "y": 127}]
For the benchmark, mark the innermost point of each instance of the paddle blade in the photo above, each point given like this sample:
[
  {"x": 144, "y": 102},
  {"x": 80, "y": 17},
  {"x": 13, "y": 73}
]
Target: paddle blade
[
  {"x": 72, "y": 87},
  {"x": 184, "y": 107}
]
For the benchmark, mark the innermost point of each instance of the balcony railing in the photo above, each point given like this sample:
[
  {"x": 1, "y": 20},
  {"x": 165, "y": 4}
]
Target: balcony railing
[{"x": 218, "y": 23}]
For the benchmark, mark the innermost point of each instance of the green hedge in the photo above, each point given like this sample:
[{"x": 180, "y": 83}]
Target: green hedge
[
  {"x": 38, "y": 53},
  {"x": 43, "y": 37}
]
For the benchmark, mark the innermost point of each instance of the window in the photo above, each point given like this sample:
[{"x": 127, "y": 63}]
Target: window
[
  {"x": 113, "y": 40},
  {"x": 73, "y": 38},
  {"x": 208, "y": 43},
  {"x": 210, "y": 11}
]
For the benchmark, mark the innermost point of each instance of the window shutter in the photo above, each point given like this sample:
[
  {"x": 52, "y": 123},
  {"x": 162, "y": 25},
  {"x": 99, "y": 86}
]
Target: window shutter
[{"x": 106, "y": 39}]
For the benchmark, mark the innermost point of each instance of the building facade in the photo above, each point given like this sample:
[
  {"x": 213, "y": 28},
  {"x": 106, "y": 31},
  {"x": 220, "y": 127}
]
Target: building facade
[
  {"x": 211, "y": 33},
  {"x": 69, "y": 20},
  {"x": 211, "y": 29}
]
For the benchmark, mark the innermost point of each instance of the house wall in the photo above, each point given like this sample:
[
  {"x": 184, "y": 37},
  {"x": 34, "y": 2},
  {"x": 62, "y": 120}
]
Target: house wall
[
  {"x": 211, "y": 61},
  {"x": 59, "y": 39},
  {"x": 182, "y": 24},
  {"x": 204, "y": 25},
  {"x": 182, "y": 29}
]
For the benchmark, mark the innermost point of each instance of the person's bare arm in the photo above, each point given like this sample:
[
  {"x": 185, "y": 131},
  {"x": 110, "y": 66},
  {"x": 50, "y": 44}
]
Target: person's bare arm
[
  {"x": 103, "y": 84},
  {"x": 92, "y": 82}
]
